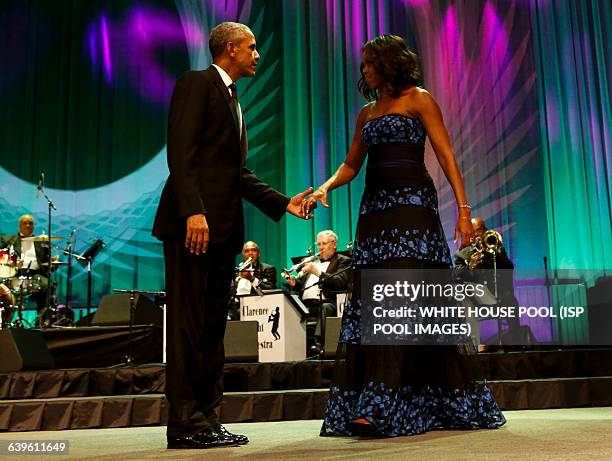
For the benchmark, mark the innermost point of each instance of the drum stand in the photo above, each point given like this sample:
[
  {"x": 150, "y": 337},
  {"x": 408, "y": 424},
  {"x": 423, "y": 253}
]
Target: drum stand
[{"x": 20, "y": 322}]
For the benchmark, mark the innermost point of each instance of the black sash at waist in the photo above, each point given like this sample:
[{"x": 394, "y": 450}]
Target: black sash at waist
[
  {"x": 396, "y": 163},
  {"x": 394, "y": 154}
]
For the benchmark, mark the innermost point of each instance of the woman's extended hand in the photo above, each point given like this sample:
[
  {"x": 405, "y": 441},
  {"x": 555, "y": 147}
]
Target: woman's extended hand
[
  {"x": 310, "y": 202},
  {"x": 465, "y": 229}
]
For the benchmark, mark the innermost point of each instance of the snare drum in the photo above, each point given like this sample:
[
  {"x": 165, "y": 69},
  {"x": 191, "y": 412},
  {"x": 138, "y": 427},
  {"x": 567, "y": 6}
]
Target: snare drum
[{"x": 8, "y": 264}]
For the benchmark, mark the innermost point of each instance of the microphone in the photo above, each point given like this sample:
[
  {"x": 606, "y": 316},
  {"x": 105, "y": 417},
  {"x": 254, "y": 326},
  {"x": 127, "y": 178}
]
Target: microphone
[
  {"x": 41, "y": 183},
  {"x": 69, "y": 243},
  {"x": 243, "y": 265}
]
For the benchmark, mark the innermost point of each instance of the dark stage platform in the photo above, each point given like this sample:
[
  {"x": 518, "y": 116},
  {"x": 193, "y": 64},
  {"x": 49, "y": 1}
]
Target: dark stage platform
[{"x": 122, "y": 397}]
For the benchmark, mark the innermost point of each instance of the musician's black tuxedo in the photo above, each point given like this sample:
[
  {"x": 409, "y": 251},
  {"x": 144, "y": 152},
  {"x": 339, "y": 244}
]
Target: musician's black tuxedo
[
  {"x": 41, "y": 249},
  {"x": 331, "y": 284}
]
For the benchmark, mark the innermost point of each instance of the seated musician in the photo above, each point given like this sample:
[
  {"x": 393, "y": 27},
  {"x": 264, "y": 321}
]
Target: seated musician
[
  {"x": 32, "y": 259},
  {"x": 319, "y": 281},
  {"x": 256, "y": 275},
  {"x": 477, "y": 266}
]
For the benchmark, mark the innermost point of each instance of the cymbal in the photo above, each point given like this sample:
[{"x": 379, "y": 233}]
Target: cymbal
[
  {"x": 56, "y": 263},
  {"x": 41, "y": 238}
]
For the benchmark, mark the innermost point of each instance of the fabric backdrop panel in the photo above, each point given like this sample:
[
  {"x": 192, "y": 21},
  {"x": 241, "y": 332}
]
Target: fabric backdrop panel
[{"x": 523, "y": 86}]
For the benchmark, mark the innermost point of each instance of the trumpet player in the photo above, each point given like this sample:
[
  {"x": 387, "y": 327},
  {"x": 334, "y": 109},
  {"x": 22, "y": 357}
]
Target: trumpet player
[
  {"x": 483, "y": 255},
  {"x": 321, "y": 279},
  {"x": 257, "y": 274}
]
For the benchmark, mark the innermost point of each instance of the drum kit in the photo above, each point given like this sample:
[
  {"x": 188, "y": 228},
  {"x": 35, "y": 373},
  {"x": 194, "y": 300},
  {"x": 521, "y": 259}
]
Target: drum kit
[{"x": 17, "y": 284}]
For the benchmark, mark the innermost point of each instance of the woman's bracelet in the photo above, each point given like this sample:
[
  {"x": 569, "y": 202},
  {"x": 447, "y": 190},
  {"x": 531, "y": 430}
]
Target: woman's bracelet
[{"x": 465, "y": 206}]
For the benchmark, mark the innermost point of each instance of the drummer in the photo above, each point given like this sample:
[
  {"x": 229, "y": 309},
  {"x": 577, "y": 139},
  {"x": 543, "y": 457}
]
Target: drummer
[{"x": 32, "y": 258}]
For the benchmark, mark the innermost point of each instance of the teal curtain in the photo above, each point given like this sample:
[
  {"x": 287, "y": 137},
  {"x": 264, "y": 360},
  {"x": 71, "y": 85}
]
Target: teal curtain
[
  {"x": 573, "y": 49},
  {"x": 322, "y": 41}
]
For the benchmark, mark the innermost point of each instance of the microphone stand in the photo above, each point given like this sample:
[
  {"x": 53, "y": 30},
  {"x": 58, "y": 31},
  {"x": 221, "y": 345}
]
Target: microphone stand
[
  {"x": 69, "y": 271},
  {"x": 548, "y": 284},
  {"x": 50, "y": 206}
]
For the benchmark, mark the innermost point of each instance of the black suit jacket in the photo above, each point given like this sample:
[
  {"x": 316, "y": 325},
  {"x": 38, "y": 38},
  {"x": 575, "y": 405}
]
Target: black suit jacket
[
  {"x": 484, "y": 273},
  {"x": 331, "y": 285},
  {"x": 266, "y": 274},
  {"x": 206, "y": 158},
  {"x": 41, "y": 249}
]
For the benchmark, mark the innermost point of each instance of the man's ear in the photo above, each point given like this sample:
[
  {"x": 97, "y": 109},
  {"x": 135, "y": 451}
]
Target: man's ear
[{"x": 231, "y": 49}]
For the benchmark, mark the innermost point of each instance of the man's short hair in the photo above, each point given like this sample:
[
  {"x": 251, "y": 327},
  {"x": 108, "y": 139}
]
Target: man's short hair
[
  {"x": 328, "y": 233},
  {"x": 226, "y": 32},
  {"x": 250, "y": 241},
  {"x": 23, "y": 217}
]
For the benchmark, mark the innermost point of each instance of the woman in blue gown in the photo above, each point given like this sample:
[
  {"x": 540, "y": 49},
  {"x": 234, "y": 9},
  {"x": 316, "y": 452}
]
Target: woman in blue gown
[{"x": 395, "y": 390}]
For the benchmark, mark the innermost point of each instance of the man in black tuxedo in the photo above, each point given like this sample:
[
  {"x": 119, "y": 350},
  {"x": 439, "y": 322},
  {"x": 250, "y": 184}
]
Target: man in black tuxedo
[
  {"x": 477, "y": 266},
  {"x": 32, "y": 259},
  {"x": 200, "y": 221},
  {"x": 259, "y": 274},
  {"x": 320, "y": 282}
]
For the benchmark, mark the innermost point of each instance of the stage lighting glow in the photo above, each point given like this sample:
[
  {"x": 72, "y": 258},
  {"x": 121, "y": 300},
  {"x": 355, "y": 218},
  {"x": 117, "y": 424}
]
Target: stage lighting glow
[{"x": 126, "y": 48}]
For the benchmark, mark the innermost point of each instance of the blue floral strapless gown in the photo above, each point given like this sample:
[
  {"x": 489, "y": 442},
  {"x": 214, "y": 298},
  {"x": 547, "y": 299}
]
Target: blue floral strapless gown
[{"x": 401, "y": 389}]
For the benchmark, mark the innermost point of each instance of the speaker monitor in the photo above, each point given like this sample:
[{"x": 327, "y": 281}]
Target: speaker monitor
[
  {"x": 241, "y": 343},
  {"x": 115, "y": 310},
  {"x": 599, "y": 300},
  {"x": 332, "y": 334},
  {"x": 23, "y": 350}
]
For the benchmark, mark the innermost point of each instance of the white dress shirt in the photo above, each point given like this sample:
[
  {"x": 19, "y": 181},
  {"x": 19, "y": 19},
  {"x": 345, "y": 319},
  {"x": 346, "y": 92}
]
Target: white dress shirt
[{"x": 228, "y": 81}]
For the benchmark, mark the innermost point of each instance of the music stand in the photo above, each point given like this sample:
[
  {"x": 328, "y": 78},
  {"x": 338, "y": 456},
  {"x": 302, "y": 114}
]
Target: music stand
[
  {"x": 86, "y": 258},
  {"x": 128, "y": 359}
]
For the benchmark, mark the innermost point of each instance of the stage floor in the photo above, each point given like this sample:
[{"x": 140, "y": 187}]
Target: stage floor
[{"x": 562, "y": 434}]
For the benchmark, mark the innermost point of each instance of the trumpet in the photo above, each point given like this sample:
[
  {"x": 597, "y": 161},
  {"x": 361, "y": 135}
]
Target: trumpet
[
  {"x": 491, "y": 242},
  {"x": 287, "y": 272}
]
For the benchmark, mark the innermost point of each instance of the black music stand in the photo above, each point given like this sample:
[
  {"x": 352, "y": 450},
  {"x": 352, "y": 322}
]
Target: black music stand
[
  {"x": 128, "y": 359},
  {"x": 86, "y": 258}
]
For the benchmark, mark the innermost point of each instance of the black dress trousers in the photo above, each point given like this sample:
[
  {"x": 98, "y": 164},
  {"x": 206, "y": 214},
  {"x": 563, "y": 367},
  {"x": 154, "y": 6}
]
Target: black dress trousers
[{"x": 198, "y": 291}]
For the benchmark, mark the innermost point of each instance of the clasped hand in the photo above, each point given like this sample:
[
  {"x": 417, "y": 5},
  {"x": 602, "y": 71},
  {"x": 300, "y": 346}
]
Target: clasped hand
[
  {"x": 197, "y": 237},
  {"x": 310, "y": 203}
]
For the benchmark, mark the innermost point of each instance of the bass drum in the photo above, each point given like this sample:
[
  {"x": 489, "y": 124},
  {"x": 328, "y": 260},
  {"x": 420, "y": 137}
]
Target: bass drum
[
  {"x": 8, "y": 264},
  {"x": 7, "y": 305}
]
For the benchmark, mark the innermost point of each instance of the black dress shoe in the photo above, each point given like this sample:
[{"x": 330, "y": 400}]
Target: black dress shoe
[
  {"x": 206, "y": 438},
  {"x": 240, "y": 439}
]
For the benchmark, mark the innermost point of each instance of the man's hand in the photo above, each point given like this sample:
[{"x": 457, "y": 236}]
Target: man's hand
[
  {"x": 247, "y": 275},
  {"x": 311, "y": 268},
  {"x": 295, "y": 205},
  {"x": 475, "y": 259},
  {"x": 197, "y": 234}
]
